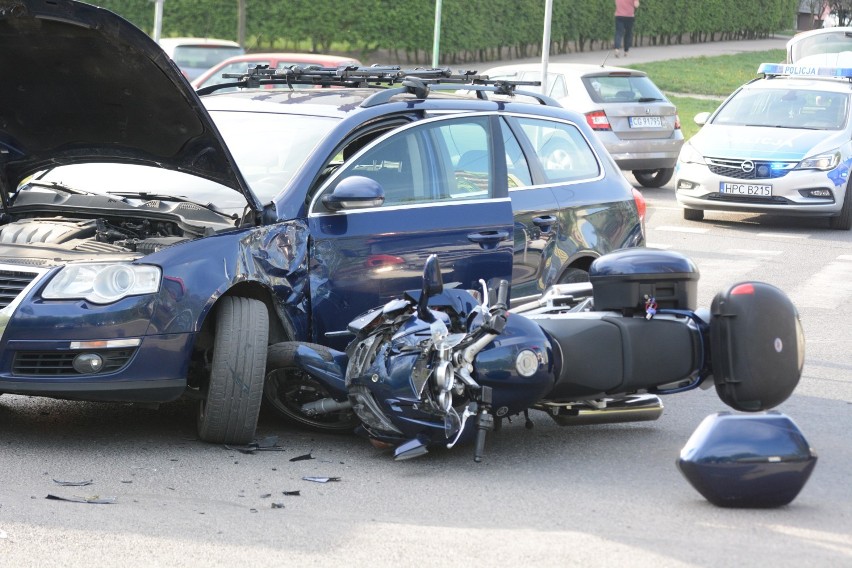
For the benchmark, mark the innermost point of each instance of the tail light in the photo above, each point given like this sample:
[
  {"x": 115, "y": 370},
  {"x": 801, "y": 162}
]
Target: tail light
[
  {"x": 641, "y": 206},
  {"x": 597, "y": 120},
  {"x": 677, "y": 122}
]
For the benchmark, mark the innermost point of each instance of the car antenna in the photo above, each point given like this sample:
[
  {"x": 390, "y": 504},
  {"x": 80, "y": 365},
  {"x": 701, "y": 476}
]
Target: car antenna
[
  {"x": 254, "y": 44},
  {"x": 608, "y": 53}
]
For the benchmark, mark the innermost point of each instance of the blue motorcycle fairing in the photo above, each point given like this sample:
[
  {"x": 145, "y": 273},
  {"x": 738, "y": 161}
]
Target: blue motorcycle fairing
[
  {"x": 331, "y": 373},
  {"x": 495, "y": 366}
]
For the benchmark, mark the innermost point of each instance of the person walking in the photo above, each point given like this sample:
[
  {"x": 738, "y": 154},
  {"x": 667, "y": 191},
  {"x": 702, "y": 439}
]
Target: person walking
[{"x": 625, "y": 14}]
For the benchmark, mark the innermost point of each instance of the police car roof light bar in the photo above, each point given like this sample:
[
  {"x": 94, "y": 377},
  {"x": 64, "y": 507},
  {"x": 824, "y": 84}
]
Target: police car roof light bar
[{"x": 773, "y": 69}]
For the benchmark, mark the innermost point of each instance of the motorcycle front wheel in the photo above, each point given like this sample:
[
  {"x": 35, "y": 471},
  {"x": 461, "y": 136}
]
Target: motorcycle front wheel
[{"x": 287, "y": 388}]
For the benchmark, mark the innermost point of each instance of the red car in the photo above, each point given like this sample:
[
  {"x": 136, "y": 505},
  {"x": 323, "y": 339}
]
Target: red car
[{"x": 239, "y": 64}]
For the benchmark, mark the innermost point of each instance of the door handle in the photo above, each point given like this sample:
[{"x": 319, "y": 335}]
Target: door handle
[
  {"x": 488, "y": 239},
  {"x": 544, "y": 222}
]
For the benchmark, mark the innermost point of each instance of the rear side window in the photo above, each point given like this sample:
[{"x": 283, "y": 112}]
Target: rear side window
[
  {"x": 562, "y": 151},
  {"x": 622, "y": 88}
]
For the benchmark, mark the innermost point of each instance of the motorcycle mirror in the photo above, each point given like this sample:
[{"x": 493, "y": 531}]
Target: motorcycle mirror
[{"x": 433, "y": 284}]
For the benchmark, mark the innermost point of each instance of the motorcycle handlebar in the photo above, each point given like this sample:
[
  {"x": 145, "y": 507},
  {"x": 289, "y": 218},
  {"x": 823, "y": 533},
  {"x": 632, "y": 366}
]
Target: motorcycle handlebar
[
  {"x": 503, "y": 293},
  {"x": 484, "y": 423}
]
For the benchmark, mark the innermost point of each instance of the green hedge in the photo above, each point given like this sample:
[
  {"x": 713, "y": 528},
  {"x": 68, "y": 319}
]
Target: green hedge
[{"x": 471, "y": 30}]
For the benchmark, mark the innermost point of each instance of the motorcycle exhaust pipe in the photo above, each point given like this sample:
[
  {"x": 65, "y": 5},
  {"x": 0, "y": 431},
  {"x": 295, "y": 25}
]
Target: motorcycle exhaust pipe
[
  {"x": 324, "y": 406},
  {"x": 640, "y": 408}
]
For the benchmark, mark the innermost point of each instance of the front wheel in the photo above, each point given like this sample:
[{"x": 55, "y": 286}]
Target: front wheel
[
  {"x": 228, "y": 411},
  {"x": 288, "y": 387},
  {"x": 653, "y": 178}
]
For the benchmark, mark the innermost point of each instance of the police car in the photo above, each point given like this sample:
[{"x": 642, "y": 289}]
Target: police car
[{"x": 780, "y": 144}]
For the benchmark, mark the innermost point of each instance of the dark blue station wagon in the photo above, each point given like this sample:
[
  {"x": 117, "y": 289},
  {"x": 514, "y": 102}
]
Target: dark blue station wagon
[{"x": 154, "y": 242}]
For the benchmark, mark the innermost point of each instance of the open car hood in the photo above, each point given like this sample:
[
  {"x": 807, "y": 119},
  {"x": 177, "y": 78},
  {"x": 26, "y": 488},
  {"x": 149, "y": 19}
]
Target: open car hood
[{"x": 81, "y": 84}]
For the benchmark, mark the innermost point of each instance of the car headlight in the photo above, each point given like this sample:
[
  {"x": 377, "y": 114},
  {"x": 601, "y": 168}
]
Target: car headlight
[
  {"x": 689, "y": 155},
  {"x": 822, "y": 162},
  {"x": 102, "y": 283}
]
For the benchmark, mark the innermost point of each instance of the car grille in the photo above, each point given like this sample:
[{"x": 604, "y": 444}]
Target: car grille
[
  {"x": 12, "y": 283},
  {"x": 55, "y": 364},
  {"x": 774, "y": 200},
  {"x": 756, "y": 169}
]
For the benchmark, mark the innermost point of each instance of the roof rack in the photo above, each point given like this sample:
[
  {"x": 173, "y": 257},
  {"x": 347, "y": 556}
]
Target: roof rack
[{"x": 418, "y": 81}]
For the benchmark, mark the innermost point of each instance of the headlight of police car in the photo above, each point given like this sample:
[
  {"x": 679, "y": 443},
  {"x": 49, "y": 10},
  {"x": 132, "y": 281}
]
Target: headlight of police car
[
  {"x": 822, "y": 162},
  {"x": 689, "y": 155},
  {"x": 102, "y": 283}
]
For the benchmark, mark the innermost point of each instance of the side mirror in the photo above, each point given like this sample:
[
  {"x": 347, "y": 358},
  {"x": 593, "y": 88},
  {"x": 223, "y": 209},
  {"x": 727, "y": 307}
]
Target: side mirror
[
  {"x": 433, "y": 284},
  {"x": 701, "y": 118},
  {"x": 355, "y": 192}
]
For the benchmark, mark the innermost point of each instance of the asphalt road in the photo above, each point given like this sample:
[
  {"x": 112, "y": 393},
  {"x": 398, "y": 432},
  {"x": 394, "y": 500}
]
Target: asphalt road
[{"x": 584, "y": 496}]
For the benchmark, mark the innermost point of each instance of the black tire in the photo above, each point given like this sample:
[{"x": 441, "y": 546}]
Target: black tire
[
  {"x": 573, "y": 276},
  {"x": 843, "y": 222},
  {"x": 228, "y": 411},
  {"x": 287, "y": 388},
  {"x": 693, "y": 214},
  {"x": 653, "y": 178}
]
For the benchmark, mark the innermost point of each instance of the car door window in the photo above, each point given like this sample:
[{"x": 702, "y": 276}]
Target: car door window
[
  {"x": 516, "y": 163},
  {"x": 438, "y": 161},
  {"x": 562, "y": 151}
]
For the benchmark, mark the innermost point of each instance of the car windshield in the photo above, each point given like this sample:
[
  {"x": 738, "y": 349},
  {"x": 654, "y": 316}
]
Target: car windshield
[
  {"x": 270, "y": 147},
  {"x": 233, "y": 67},
  {"x": 203, "y": 56},
  {"x": 819, "y": 44},
  {"x": 786, "y": 108},
  {"x": 622, "y": 88}
]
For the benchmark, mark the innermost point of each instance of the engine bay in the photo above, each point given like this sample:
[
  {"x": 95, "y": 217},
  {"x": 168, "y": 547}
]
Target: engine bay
[{"x": 93, "y": 224}]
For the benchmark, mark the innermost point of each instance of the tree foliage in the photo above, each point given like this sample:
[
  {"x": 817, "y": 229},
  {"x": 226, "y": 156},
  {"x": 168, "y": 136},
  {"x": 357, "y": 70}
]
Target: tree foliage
[{"x": 471, "y": 30}]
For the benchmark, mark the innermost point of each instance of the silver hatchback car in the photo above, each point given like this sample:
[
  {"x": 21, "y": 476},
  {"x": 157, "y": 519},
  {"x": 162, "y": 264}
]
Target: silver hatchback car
[{"x": 630, "y": 115}]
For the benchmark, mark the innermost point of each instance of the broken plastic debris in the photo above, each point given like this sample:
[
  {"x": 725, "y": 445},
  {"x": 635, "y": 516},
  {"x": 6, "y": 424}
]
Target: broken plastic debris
[
  {"x": 295, "y": 493},
  {"x": 321, "y": 479},
  {"x": 267, "y": 444},
  {"x": 73, "y": 483},
  {"x": 307, "y": 456},
  {"x": 94, "y": 499},
  {"x": 278, "y": 505}
]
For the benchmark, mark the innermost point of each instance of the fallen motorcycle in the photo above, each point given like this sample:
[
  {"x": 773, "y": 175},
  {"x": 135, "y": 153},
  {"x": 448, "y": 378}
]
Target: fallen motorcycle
[{"x": 442, "y": 364}]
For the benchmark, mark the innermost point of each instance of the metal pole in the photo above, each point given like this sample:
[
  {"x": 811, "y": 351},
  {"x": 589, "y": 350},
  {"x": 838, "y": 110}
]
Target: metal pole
[
  {"x": 436, "y": 40},
  {"x": 158, "y": 19},
  {"x": 545, "y": 44}
]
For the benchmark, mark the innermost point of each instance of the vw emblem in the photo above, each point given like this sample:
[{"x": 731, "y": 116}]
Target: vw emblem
[{"x": 748, "y": 166}]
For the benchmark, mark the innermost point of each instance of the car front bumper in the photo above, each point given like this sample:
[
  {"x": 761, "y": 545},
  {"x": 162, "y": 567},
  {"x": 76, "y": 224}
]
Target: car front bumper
[
  {"x": 697, "y": 187},
  {"x": 154, "y": 371}
]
